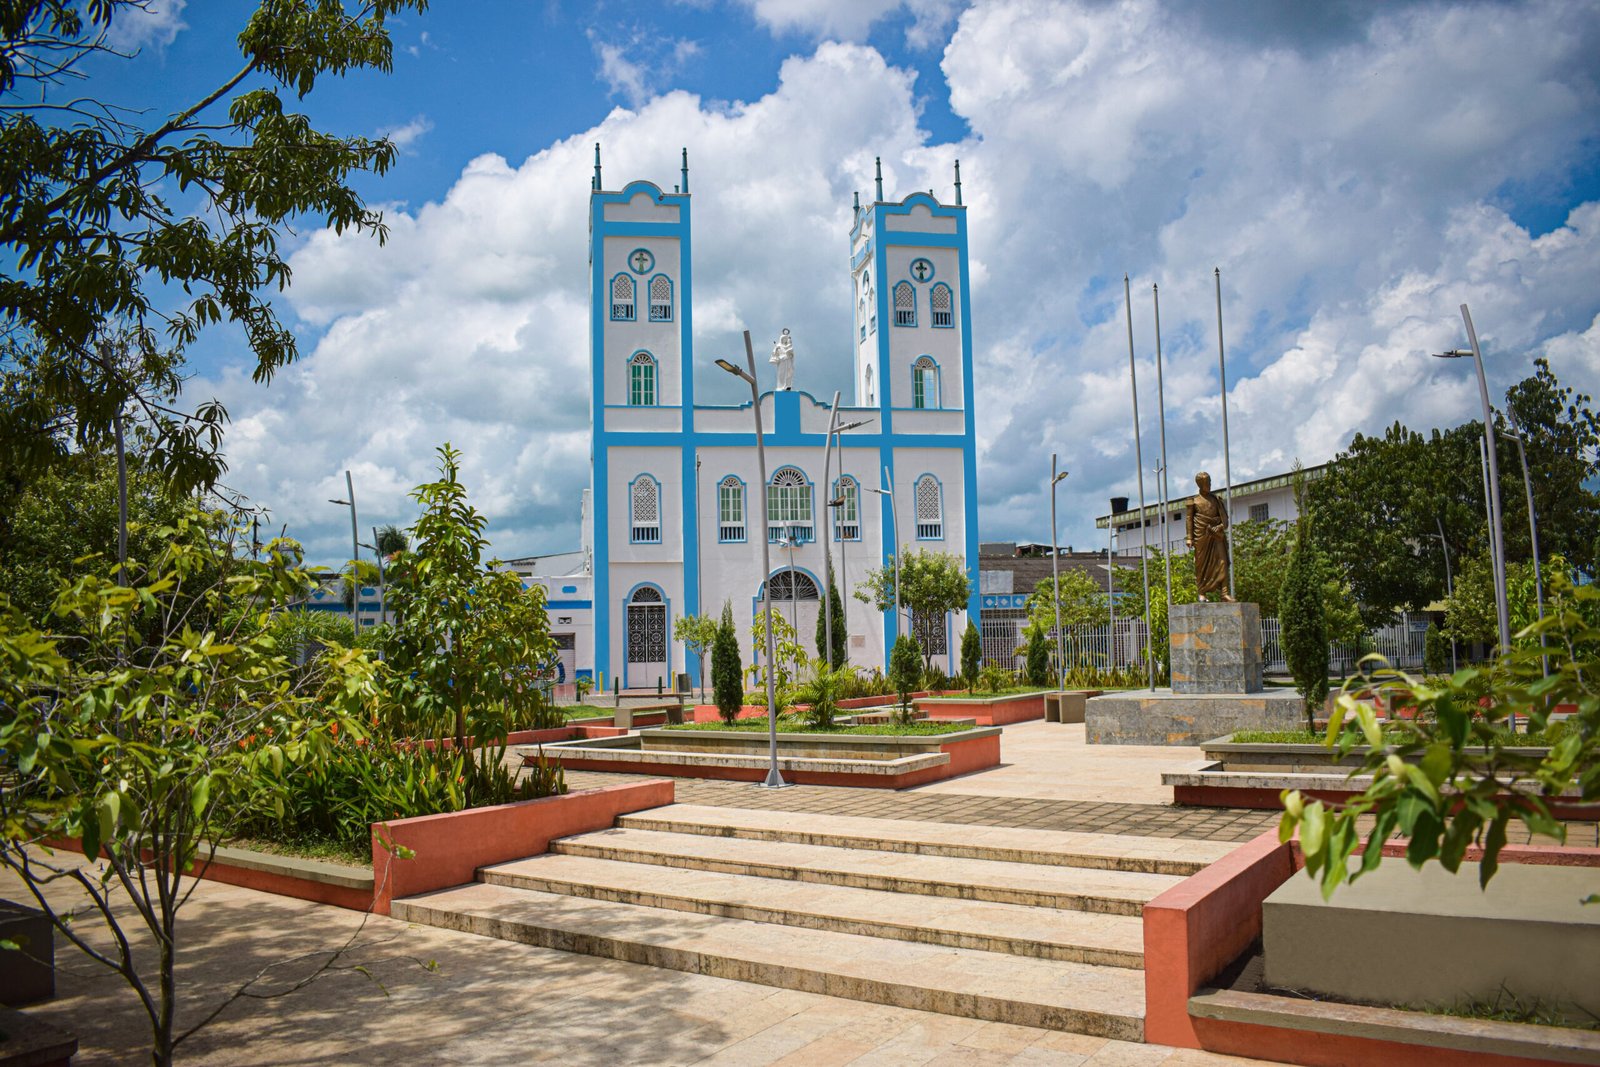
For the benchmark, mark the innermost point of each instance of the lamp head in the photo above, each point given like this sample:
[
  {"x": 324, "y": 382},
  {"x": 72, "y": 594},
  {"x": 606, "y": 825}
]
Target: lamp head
[
  {"x": 341, "y": 503},
  {"x": 1058, "y": 477},
  {"x": 1454, "y": 353}
]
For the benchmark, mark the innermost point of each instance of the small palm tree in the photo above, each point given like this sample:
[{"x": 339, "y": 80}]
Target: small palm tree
[{"x": 392, "y": 539}]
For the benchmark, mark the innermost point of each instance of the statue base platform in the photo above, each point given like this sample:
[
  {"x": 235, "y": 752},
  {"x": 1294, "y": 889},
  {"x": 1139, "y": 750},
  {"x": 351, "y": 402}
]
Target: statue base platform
[
  {"x": 1164, "y": 717},
  {"x": 1216, "y": 648}
]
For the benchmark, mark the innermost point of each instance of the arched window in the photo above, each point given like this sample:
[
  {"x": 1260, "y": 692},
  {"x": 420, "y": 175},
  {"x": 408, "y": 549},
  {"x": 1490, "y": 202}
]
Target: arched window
[
  {"x": 622, "y": 290},
  {"x": 871, "y": 399},
  {"x": 905, "y": 304},
  {"x": 661, "y": 298},
  {"x": 789, "y": 506},
  {"x": 925, "y": 383},
  {"x": 642, "y": 380},
  {"x": 847, "y": 516},
  {"x": 646, "y": 594},
  {"x": 730, "y": 509},
  {"x": 941, "y": 304},
  {"x": 872, "y": 301},
  {"x": 644, "y": 510},
  {"x": 791, "y": 585},
  {"x": 930, "y": 509}
]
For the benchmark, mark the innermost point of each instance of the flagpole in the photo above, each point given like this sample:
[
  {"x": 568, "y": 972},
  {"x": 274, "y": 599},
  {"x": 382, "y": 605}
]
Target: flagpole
[
  {"x": 1138, "y": 461},
  {"x": 1227, "y": 456}
]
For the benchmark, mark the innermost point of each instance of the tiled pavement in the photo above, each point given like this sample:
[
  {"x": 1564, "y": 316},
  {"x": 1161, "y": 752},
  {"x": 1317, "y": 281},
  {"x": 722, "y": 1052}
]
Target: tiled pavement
[{"x": 1144, "y": 820}]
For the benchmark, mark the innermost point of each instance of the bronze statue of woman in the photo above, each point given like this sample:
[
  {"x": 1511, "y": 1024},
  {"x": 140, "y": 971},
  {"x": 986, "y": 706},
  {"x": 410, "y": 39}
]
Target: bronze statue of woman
[{"x": 1205, "y": 530}]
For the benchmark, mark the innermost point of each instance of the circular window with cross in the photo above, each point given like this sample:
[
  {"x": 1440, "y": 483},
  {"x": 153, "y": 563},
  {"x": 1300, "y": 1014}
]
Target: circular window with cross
[
  {"x": 922, "y": 269},
  {"x": 640, "y": 261}
]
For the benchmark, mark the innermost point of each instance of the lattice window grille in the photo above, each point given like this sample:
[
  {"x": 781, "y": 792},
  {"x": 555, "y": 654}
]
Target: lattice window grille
[
  {"x": 930, "y": 513},
  {"x": 905, "y": 305},
  {"x": 929, "y": 629},
  {"x": 941, "y": 305},
  {"x": 660, "y": 299},
  {"x": 1259, "y": 512},
  {"x": 622, "y": 292},
  {"x": 646, "y": 521},
  {"x": 730, "y": 509}
]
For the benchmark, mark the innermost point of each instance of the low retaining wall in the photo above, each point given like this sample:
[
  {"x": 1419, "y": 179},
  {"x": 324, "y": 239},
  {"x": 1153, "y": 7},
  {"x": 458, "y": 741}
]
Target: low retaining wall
[
  {"x": 449, "y": 848},
  {"x": 1198, "y": 928},
  {"x": 985, "y": 711},
  {"x": 964, "y": 755}
]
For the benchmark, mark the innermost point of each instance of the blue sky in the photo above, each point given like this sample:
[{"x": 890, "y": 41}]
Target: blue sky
[{"x": 1356, "y": 169}]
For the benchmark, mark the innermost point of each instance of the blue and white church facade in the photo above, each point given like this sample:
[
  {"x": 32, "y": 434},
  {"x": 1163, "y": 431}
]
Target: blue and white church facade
[{"x": 675, "y": 485}]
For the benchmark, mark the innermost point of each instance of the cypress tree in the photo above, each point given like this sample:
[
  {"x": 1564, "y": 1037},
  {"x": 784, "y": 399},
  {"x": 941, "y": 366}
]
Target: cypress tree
[
  {"x": 1304, "y": 634},
  {"x": 971, "y": 654},
  {"x": 1435, "y": 657},
  {"x": 905, "y": 667},
  {"x": 727, "y": 673},
  {"x": 839, "y": 656},
  {"x": 1038, "y": 659}
]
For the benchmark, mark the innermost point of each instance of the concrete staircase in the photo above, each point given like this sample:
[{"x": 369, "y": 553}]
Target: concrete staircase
[{"x": 1035, "y": 927}]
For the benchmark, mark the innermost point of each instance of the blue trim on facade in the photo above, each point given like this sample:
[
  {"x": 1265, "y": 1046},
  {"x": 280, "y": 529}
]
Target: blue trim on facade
[
  {"x": 641, "y": 271},
  {"x": 655, "y": 380},
  {"x": 570, "y": 605}
]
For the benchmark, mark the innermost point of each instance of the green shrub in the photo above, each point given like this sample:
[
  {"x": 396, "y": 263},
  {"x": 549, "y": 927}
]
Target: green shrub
[
  {"x": 1435, "y": 656},
  {"x": 934, "y": 680},
  {"x": 993, "y": 678},
  {"x": 905, "y": 670},
  {"x": 727, "y": 674},
  {"x": 1037, "y": 670},
  {"x": 839, "y": 637},
  {"x": 971, "y": 654}
]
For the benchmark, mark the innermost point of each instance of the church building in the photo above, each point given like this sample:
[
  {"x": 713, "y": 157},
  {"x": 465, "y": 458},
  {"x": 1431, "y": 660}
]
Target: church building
[{"x": 676, "y": 510}]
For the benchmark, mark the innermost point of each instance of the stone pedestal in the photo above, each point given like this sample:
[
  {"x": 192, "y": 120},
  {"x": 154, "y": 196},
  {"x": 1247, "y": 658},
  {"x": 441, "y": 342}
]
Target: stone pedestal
[
  {"x": 1216, "y": 648},
  {"x": 1216, "y": 686}
]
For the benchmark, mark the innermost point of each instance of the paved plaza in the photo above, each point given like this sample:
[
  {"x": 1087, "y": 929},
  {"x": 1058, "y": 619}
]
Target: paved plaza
[{"x": 439, "y": 996}]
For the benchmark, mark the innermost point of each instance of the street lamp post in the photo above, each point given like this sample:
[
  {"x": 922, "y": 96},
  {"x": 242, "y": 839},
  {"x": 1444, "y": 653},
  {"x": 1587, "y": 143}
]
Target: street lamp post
[
  {"x": 1163, "y": 488},
  {"x": 355, "y": 553},
  {"x": 1055, "y": 575},
  {"x": 774, "y": 779},
  {"x": 1496, "y": 528},
  {"x": 835, "y": 441},
  {"x": 1449, "y": 585},
  {"x": 1111, "y": 596},
  {"x": 1138, "y": 464},
  {"x": 894, "y": 534},
  {"x": 1533, "y": 526}
]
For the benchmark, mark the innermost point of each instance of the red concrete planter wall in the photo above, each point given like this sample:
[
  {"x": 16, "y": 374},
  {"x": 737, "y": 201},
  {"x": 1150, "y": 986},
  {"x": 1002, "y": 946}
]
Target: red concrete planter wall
[
  {"x": 284, "y": 885},
  {"x": 988, "y": 712},
  {"x": 1194, "y": 930},
  {"x": 1268, "y": 799},
  {"x": 451, "y": 847}
]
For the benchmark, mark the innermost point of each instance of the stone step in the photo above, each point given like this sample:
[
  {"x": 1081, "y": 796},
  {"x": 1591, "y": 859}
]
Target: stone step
[
  {"x": 1101, "y": 1001},
  {"x": 1064, "y": 848},
  {"x": 1107, "y": 892},
  {"x": 1013, "y": 929}
]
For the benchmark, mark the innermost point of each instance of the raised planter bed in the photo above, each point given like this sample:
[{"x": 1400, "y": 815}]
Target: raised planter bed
[
  {"x": 1197, "y": 930},
  {"x": 893, "y": 761},
  {"x": 986, "y": 711},
  {"x": 448, "y": 848},
  {"x": 1254, "y": 775}
]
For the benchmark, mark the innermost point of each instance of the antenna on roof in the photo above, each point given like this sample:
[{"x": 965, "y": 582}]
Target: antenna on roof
[
  {"x": 958, "y": 183},
  {"x": 878, "y": 160},
  {"x": 597, "y": 166}
]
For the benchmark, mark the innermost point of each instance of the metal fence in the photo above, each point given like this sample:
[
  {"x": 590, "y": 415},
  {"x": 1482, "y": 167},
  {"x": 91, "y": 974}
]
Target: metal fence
[{"x": 1400, "y": 643}]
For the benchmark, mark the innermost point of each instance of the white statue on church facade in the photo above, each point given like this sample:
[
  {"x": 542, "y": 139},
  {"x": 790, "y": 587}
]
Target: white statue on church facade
[{"x": 783, "y": 359}]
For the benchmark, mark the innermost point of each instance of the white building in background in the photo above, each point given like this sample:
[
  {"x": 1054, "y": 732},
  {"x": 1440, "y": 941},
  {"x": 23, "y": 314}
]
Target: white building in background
[
  {"x": 1257, "y": 500},
  {"x": 675, "y": 486}
]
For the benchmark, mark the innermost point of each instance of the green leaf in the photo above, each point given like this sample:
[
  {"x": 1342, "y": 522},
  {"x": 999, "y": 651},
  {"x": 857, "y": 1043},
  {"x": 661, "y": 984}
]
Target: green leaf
[
  {"x": 200, "y": 796},
  {"x": 1313, "y": 832}
]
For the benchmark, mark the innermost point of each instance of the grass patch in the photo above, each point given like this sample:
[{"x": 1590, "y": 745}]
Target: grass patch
[
  {"x": 1276, "y": 737},
  {"x": 584, "y": 711},
  {"x": 308, "y": 847},
  {"x": 792, "y": 726}
]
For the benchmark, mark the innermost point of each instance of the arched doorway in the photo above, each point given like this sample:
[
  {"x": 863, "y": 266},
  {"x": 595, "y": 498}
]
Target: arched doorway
[
  {"x": 645, "y": 634},
  {"x": 798, "y": 599}
]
